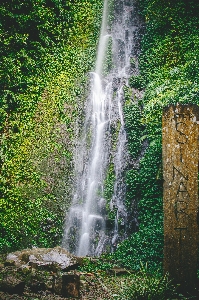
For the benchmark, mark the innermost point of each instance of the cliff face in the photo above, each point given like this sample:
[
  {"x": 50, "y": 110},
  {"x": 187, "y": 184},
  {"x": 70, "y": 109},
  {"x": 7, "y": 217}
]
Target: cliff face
[
  {"x": 47, "y": 51},
  {"x": 99, "y": 218}
]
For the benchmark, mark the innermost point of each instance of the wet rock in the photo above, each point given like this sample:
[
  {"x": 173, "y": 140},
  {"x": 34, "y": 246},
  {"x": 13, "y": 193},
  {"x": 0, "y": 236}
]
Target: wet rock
[
  {"x": 71, "y": 268},
  {"x": 9, "y": 263},
  {"x": 57, "y": 285},
  {"x": 50, "y": 259},
  {"x": 40, "y": 272},
  {"x": 116, "y": 84},
  {"x": 12, "y": 285},
  {"x": 37, "y": 286}
]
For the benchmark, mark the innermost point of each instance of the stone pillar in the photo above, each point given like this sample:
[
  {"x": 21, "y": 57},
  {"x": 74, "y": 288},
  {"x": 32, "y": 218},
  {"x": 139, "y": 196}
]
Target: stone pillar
[
  {"x": 71, "y": 286},
  {"x": 180, "y": 196}
]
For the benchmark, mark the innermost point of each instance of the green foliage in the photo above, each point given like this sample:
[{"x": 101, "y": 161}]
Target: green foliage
[
  {"x": 169, "y": 74},
  {"x": 132, "y": 188},
  {"x": 136, "y": 285},
  {"x": 146, "y": 245},
  {"x": 47, "y": 47},
  {"x": 109, "y": 183},
  {"x": 108, "y": 191},
  {"x": 142, "y": 246},
  {"x": 31, "y": 224},
  {"x": 136, "y": 82},
  {"x": 108, "y": 61},
  {"x": 150, "y": 205},
  {"x": 143, "y": 285},
  {"x": 133, "y": 126},
  {"x": 95, "y": 265},
  {"x": 168, "y": 62}
]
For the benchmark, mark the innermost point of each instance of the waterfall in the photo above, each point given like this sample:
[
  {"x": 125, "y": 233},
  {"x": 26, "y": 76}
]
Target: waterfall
[{"x": 85, "y": 230}]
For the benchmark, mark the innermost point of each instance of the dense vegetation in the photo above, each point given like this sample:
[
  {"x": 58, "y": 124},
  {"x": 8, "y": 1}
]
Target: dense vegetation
[
  {"x": 47, "y": 48},
  {"x": 169, "y": 73}
]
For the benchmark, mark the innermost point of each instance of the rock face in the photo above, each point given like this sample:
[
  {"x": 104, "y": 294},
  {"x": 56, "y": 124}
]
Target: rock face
[
  {"x": 71, "y": 285},
  {"x": 41, "y": 270},
  {"x": 13, "y": 285},
  {"x": 180, "y": 172},
  {"x": 42, "y": 257}
]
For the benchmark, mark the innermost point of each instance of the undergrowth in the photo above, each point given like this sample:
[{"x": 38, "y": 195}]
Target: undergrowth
[{"x": 169, "y": 74}]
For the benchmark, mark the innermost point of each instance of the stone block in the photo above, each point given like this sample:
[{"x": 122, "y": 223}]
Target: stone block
[
  {"x": 180, "y": 193},
  {"x": 71, "y": 286}
]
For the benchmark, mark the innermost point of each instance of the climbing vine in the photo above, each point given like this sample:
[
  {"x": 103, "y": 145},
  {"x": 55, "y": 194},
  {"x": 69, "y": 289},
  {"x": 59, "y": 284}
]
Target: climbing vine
[
  {"x": 133, "y": 126},
  {"x": 47, "y": 49},
  {"x": 168, "y": 66}
]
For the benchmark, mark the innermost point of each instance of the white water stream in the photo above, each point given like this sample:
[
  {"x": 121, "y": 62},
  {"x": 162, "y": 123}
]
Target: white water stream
[{"x": 85, "y": 232}]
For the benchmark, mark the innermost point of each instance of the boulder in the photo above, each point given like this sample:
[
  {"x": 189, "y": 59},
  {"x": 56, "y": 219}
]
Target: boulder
[
  {"x": 50, "y": 259},
  {"x": 12, "y": 285},
  {"x": 41, "y": 271}
]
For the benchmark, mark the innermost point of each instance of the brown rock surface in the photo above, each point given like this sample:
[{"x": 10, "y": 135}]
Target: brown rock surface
[
  {"x": 71, "y": 285},
  {"x": 180, "y": 173},
  {"x": 39, "y": 271}
]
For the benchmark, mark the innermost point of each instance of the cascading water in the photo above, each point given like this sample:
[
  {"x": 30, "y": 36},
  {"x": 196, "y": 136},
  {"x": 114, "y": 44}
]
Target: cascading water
[{"x": 86, "y": 232}]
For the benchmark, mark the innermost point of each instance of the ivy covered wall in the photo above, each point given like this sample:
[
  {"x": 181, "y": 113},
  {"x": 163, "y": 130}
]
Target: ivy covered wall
[
  {"x": 169, "y": 73},
  {"x": 47, "y": 48}
]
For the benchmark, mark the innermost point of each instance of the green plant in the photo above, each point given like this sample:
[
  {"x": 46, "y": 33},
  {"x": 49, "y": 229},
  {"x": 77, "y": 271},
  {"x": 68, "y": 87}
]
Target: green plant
[
  {"x": 108, "y": 61},
  {"x": 169, "y": 73},
  {"x": 133, "y": 126},
  {"x": 146, "y": 245},
  {"x": 95, "y": 265},
  {"x": 143, "y": 285},
  {"x": 136, "y": 82},
  {"x": 132, "y": 188},
  {"x": 108, "y": 191},
  {"x": 47, "y": 49}
]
